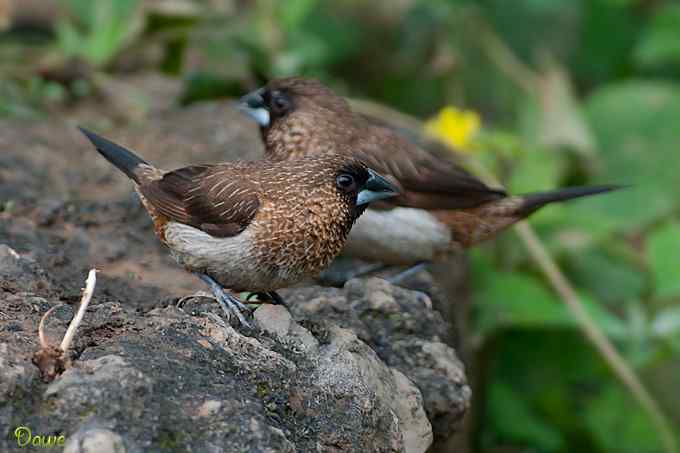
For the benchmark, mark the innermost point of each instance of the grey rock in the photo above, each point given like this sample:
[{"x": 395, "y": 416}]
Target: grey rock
[
  {"x": 95, "y": 440},
  {"x": 170, "y": 381},
  {"x": 364, "y": 368},
  {"x": 405, "y": 332},
  {"x": 340, "y": 362},
  {"x": 21, "y": 274},
  {"x": 277, "y": 320}
]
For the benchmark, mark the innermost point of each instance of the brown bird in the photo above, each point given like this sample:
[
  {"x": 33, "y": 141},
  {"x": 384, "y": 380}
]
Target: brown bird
[
  {"x": 252, "y": 226},
  {"x": 440, "y": 207}
]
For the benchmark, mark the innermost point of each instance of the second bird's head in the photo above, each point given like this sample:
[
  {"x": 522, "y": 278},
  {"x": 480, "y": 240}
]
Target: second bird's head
[{"x": 294, "y": 100}]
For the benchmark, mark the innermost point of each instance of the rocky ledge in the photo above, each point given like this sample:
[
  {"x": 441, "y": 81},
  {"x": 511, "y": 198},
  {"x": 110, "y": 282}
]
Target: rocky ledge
[
  {"x": 358, "y": 369},
  {"x": 365, "y": 368}
]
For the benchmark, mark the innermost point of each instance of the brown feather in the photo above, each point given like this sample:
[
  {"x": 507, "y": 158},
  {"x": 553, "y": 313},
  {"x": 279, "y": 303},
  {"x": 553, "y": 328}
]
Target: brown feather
[
  {"x": 473, "y": 211},
  {"x": 215, "y": 199},
  {"x": 321, "y": 120},
  {"x": 252, "y": 226}
]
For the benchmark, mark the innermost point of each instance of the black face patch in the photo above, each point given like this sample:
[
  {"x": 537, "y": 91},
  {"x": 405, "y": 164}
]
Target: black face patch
[
  {"x": 357, "y": 172},
  {"x": 349, "y": 181},
  {"x": 279, "y": 102}
]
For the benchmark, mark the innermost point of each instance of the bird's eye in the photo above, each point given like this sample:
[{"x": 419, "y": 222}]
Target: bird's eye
[
  {"x": 346, "y": 182},
  {"x": 280, "y": 103}
]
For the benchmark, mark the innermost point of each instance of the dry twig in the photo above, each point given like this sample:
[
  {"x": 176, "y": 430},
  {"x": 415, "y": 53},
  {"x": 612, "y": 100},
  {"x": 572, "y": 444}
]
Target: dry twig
[{"x": 52, "y": 360}]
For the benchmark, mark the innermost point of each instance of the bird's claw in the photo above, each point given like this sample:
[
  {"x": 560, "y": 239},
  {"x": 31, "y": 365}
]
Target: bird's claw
[
  {"x": 230, "y": 304},
  {"x": 180, "y": 303}
]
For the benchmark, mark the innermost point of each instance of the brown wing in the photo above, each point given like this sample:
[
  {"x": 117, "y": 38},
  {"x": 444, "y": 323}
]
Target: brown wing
[
  {"x": 427, "y": 180},
  {"x": 211, "y": 198}
]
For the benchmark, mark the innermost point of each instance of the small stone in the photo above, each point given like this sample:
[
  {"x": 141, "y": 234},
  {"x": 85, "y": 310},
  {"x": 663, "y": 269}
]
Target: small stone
[
  {"x": 208, "y": 408},
  {"x": 21, "y": 274},
  {"x": 274, "y": 319},
  {"x": 95, "y": 441}
]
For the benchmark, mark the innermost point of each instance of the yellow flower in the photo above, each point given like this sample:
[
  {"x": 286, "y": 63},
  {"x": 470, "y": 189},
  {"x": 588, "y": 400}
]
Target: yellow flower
[{"x": 454, "y": 127}]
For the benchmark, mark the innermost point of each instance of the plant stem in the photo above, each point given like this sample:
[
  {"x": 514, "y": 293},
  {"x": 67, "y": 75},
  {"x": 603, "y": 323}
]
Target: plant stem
[
  {"x": 77, "y": 319},
  {"x": 606, "y": 349},
  {"x": 508, "y": 63},
  {"x": 623, "y": 372}
]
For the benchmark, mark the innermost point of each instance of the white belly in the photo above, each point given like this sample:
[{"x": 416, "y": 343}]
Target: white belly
[{"x": 231, "y": 261}]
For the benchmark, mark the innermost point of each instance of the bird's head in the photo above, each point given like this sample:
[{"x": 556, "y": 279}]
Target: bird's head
[
  {"x": 338, "y": 181},
  {"x": 293, "y": 100},
  {"x": 361, "y": 186}
]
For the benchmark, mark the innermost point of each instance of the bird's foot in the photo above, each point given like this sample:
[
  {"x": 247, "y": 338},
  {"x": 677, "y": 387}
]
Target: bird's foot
[
  {"x": 406, "y": 274},
  {"x": 230, "y": 304},
  {"x": 338, "y": 277},
  {"x": 180, "y": 303},
  {"x": 366, "y": 270},
  {"x": 270, "y": 296}
]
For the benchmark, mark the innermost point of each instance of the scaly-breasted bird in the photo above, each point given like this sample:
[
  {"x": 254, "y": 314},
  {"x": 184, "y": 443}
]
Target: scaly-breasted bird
[
  {"x": 252, "y": 226},
  {"x": 440, "y": 207}
]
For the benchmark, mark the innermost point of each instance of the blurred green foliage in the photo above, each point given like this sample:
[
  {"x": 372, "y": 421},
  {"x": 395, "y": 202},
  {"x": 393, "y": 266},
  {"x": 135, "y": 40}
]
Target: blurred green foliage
[
  {"x": 571, "y": 92},
  {"x": 97, "y": 31}
]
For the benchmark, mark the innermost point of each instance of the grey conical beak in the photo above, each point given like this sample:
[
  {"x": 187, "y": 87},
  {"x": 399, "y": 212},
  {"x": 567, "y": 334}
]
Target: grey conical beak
[
  {"x": 254, "y": 106},
  {"x": 376, "y": 188}
]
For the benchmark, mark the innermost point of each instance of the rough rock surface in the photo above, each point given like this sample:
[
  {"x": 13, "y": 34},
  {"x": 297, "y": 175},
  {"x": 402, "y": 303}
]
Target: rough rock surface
[{"x": 363, "y": 368}]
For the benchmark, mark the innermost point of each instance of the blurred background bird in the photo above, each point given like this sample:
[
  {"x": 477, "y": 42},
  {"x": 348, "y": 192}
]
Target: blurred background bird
[
  {"x": 252, "y": 226},
  {"x": 441, "y": 208}
]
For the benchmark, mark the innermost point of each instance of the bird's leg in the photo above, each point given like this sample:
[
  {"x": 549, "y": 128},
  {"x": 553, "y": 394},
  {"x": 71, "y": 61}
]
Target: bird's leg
[
  {"x": 365, "y": 270},
  {"x": 403, "y": 275},
  {"x": 230, "y": 304},
  {"x": 272, "y": 296},
  {"x": 338, "y": 278}
]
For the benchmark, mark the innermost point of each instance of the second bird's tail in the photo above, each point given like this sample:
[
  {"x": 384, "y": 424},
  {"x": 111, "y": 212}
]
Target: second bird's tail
[
  {"x": 474, "y": 225},
  {"x": 534, "y": 201},
  {"x": 124, "y": 159}
]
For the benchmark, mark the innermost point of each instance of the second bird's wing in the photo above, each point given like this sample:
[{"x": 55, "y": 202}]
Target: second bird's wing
[
  {"x": 428, "y": 181},
  {"x": 212, "y": 198}
]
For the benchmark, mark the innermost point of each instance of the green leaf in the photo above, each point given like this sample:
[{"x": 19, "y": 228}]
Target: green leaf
[
  {"x": 599, "y": 58},
  {"x": 663, "y": 246},
  {"x": 617, "y": 424},
  {"x": 293, "y": 12},
  {"x": 515, "y": 421},
  {"x": 660, "y": 42},
  {"x": 635, "y": 124},
  {"x": 114, "y": 24},
  {"x": 82, "y": 10},
  {"x": 555, "y": 373},
  {"x": 68, "y": 39},
  {"x": 306, "y": 51},
  {"x": 537, "y": 169},
  {"x": 609, "y": 277},
  {"x": 547, "y": 22},
  {"x": 107, "y": 26},
  {"x": 512, "y": 299}
]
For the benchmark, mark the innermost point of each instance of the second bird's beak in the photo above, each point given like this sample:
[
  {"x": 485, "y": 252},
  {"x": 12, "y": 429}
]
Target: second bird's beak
[
  {"x": 254, "y": 106},
  {"x": 376, "y": 188}
]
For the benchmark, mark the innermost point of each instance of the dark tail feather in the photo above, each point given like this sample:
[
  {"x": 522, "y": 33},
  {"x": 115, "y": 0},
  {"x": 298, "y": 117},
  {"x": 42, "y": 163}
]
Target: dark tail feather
[
  {"x": 125, "y": 160},
  {"x": 535, "y": 201}
]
